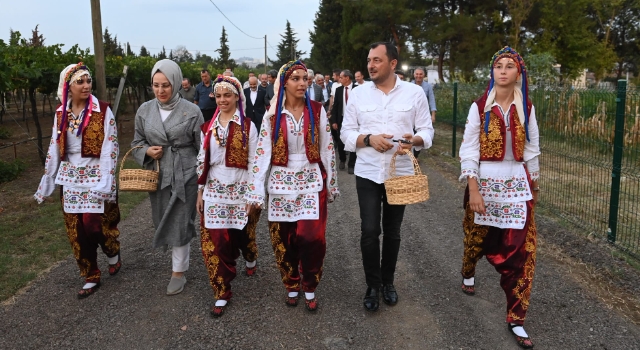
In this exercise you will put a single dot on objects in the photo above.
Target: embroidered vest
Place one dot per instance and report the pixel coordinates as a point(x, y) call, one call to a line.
point(92, 135)
point(237, 154)
point(493, 143)
point(280, 150)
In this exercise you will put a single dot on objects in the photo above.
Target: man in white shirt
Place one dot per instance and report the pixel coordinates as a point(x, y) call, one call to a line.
point(336, 84)
point(359, 78)
point(376, 114)
point(341, 99)
point(325, 92)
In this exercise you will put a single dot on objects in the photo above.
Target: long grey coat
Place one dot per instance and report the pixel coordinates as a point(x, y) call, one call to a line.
point(173, 205)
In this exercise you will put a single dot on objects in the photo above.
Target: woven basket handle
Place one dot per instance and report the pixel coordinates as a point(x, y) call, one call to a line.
point(129, 151)
point(416, 166)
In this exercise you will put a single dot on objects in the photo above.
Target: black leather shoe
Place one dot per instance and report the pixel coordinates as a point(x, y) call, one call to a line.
point(341, 166)
point(350, 170)
point(372, 299)
point(389, 294)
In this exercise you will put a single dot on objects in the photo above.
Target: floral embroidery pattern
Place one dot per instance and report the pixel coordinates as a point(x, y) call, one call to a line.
point(69, 174)
point(511, 188)
point(304, 206)
point(504, 215)
point(289, 180)
point(76, 201)
point(219, 215)
point(216, 190)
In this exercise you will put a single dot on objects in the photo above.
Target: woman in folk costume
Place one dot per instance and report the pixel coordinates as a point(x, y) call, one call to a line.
point(295, 150)
point(228, 224)
point(168, 129)
point(82, 158)
point(499, 156)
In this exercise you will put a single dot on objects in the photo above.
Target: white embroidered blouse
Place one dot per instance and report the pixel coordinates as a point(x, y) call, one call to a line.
point(293, 190)
point(223, 194)
point(502, 184)
point(87, 182)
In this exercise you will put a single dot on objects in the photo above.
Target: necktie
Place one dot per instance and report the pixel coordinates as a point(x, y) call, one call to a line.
point(346, 95)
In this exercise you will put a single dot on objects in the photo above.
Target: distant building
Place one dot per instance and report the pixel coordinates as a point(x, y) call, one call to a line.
point(249, 61)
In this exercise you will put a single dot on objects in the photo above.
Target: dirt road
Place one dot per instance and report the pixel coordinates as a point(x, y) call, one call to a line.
point(131, 310)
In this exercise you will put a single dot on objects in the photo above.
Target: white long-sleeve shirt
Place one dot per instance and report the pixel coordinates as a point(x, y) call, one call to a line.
point(370, 111)
point(87, 181)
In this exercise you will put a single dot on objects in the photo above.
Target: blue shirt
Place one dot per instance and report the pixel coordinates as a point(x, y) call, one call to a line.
point(428, 91)
point(202, 96)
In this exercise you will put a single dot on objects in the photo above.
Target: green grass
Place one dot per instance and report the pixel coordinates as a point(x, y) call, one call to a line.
point(33, 237)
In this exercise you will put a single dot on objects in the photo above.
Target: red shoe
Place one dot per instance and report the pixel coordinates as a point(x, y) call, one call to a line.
point(312, 305)
point(113, 269)
point(292, 301)
point(523, 342)
point(218, 311)
point(468, 290)
point(250, 271)
point(84, 293)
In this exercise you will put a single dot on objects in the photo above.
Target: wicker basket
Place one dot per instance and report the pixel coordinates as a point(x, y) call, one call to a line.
point(409, 189)
point(138, 180)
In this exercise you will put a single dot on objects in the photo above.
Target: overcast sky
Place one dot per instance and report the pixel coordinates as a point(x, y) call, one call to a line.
point(196, 24)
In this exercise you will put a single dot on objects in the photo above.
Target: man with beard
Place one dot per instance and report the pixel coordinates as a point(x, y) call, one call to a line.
point(376, 115)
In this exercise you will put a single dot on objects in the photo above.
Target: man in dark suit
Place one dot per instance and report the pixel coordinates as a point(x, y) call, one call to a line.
point(271, 76)
point(340, 101)
point(255, 102)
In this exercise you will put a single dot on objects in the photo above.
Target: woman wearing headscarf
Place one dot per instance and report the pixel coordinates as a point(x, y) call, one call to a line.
point(81, 159)
point(295, 155)
point(499, 156)
point(168, 129)
point(228, 225)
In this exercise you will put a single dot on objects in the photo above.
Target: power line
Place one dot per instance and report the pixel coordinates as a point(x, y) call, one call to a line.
point(225, 16)
point(158, 48)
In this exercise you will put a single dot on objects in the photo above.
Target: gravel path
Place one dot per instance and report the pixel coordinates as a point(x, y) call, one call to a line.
point(131, 310)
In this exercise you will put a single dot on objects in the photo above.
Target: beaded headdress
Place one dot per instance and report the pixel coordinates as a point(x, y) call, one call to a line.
point(67, 77)
point(283, 76)
point(232, 84)
point(522, 86)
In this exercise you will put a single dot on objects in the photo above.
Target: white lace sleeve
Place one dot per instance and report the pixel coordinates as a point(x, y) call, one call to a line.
point(532, 148)
point(51, 165)
point(328, 156)
point(470, 148)
point(260, 164)
point(106, 188)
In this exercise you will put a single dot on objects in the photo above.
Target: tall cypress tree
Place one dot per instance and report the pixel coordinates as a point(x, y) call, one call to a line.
point(224, 60)
point(144, 52)
point(287, 48)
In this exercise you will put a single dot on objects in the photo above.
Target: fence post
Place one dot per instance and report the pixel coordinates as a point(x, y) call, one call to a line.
point(618, 146)
point(455, 117)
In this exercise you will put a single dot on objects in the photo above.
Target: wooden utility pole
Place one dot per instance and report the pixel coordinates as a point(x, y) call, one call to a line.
point(98, 49)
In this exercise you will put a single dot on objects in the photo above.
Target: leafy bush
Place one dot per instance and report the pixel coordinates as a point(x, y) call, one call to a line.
point(11, 170)
point(4, 133)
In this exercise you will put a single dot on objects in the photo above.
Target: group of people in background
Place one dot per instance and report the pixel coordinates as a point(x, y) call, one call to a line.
point(231, 151)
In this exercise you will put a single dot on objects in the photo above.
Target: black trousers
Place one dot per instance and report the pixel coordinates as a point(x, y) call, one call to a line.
point(372, 198)
point(342, 155)
point(207, 113)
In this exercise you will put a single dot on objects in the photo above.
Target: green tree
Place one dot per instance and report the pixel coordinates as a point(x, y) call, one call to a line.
point(224, 59)
point(568, 34)
point(203, 60)
point(144, 52)
point(326, 50)
point(287, 48)
point(129, 51)
point(162, 54)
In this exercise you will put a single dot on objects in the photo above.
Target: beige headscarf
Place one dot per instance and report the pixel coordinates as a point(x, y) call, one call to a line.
point(174, 74)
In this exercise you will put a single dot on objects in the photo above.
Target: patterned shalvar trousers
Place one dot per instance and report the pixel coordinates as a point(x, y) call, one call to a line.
point(300, 247)
point(512, 253)
point(221, 248)
point(87, 231)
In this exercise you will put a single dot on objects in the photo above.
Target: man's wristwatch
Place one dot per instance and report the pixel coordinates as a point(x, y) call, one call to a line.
point(366, 141)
